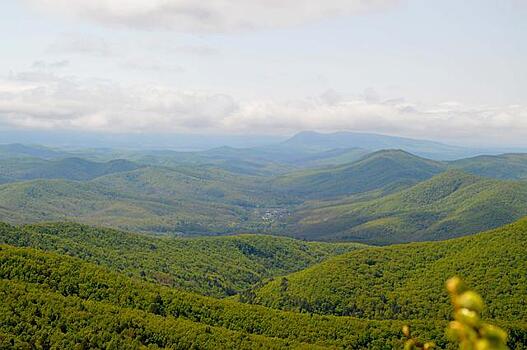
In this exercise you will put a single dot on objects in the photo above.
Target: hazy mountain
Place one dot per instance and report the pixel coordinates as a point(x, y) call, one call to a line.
point(19, 169)
point(16, 150)
point(375, 142)
point(134, 141)
point(193, 200)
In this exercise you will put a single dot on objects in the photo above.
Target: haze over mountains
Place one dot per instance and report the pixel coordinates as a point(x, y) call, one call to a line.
point(310, 186)
point(296, 229)
point(201, 142)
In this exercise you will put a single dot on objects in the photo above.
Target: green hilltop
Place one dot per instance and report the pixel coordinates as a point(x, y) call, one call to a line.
point(311, 191)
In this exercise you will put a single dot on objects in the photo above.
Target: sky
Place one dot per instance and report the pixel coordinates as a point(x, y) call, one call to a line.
point(449, 70)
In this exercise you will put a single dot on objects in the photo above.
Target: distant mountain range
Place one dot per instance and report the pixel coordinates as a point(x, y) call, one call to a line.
point(384, 197)
point(306, 142)
point(375, 142)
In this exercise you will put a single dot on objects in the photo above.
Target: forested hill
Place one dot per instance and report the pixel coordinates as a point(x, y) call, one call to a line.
point(218, 266)
point(406, 281)
point(21, 169)
point(505, 166)
point(58, 301)
point(384, 171)
point(189, 199)
point(448, 205)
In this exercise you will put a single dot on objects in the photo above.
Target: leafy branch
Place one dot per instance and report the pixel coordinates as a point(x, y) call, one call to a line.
point(467, 328)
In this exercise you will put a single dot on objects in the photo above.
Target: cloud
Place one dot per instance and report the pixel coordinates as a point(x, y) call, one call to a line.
point(198, 50)
point(44, 65)
point(209, 16)
point(80, 44)
point(150, 65)
point(29, 101)
point(54, 102)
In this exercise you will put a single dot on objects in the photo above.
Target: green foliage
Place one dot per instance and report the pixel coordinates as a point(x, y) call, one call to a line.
point(55, 299)
point(63, 301)
point(467, 328)
point(218, 266)
point(505, 166)
point(384, 170)
point(405, 281)
point(448, 205)
point(358, 196)
point(32, 317)
point(19, 169)
point(152, 199)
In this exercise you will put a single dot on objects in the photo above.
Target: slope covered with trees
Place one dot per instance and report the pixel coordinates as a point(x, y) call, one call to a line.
point(20, 169)
point(506, 166)
point(406, 281)
point(384, 171)
point(188, 199)
point(81, 299)
point(59, 300)
point(448, 205)
point(218, 266)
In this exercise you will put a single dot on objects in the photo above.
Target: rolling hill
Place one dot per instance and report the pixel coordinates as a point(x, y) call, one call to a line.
point(506, 166)
point(62, 301)
point(21, 169)
point(384, 171)
point(218, 266)
point(406, 281)
point(268, 160)
point(448, 205)
point(150, 199)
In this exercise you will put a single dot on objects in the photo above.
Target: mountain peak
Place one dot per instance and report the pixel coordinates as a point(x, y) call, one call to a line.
point(376, 142)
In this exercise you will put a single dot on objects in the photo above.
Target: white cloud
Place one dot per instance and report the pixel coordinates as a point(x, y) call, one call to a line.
point(44, 65)
point(80, 44)
point(50, 101)
point(209, 16)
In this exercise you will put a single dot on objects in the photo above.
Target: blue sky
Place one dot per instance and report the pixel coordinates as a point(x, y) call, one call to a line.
point(446, 70)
